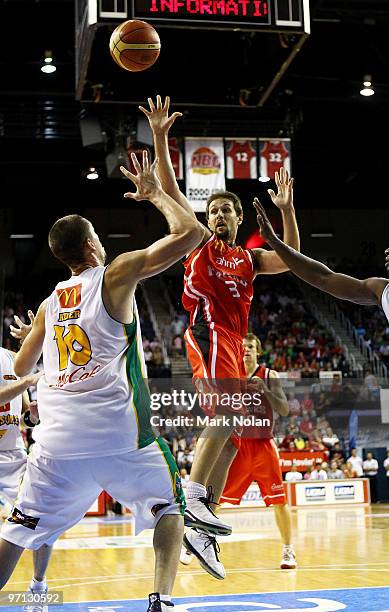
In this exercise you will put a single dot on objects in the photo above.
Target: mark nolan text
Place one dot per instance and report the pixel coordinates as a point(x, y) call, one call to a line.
point(206, 421)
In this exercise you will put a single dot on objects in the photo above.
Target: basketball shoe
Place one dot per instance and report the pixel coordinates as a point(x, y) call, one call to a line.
point(37, 588)
point(288, 558)
point(199, 515)
point(186, 556)
point(206, 549)
point(156, 605)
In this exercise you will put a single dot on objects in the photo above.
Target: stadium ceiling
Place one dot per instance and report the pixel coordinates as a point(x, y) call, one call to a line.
point(217, 79)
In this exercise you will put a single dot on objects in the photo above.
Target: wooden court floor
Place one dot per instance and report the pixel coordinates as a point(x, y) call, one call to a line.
point(340, 547)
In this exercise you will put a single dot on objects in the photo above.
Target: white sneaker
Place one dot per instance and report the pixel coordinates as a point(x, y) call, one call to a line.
point(288, 558)
point(186, 557)
point(206, 549)
point(37, 588)
point(199, 515)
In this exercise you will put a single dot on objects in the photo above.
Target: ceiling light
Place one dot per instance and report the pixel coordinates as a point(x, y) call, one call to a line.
point(21, 236)
point(367, 89)
point(48, 67)
point(119, 236)
point(264, 179)
point(322, 235)
point(92, 174)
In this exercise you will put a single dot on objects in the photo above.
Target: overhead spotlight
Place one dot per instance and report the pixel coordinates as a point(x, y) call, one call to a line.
point(48, 66)
point(367, 89)
point(92, 174)
point(264, 179)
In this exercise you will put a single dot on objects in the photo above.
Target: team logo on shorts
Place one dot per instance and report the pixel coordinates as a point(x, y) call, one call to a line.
point(70, 297)
point(23, 519)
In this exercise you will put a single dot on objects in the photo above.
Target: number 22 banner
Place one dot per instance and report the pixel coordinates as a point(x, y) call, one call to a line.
point(204, 165)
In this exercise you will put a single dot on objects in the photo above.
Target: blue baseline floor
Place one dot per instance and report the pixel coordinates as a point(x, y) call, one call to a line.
point(374, 599)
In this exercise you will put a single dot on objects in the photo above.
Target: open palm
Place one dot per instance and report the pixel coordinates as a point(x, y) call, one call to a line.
point(283, 199)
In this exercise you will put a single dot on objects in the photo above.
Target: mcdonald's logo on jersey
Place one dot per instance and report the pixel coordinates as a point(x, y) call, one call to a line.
point(70, 297)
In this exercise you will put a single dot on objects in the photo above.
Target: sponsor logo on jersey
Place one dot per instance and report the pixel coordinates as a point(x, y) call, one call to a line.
point(277, 487)
point(67, 316)
point(232, 265)
point(70, 297)
point(9, 419)
point(6, 407)
point(23, 519)
point(10, 377)
point(315, 493)
point(76, 376)
point(3, 432)
point(205, 161)
point(344, 491)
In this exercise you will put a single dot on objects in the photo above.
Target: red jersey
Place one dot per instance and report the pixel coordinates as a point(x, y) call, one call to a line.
point(241, 158)
point(274, 154)
point(264, 411)
point(176, 157)
point(218, 285)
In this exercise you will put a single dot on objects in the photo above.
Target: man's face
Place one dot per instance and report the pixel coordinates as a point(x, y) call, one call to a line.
point(223, 220)
point(250, 351)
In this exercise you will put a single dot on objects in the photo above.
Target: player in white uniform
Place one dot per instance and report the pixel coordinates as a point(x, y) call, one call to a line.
point(13, 456)
point(94, 432)
point(368, 292)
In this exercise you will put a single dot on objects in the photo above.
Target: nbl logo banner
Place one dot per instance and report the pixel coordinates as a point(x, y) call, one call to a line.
point(205, 173)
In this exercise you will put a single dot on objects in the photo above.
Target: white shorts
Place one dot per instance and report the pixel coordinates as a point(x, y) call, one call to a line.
point(56, 493)
point(12, 467)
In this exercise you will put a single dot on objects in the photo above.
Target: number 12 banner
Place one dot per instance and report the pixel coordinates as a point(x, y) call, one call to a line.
point(241, 157)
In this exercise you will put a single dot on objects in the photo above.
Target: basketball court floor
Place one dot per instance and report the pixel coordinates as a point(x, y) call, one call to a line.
point(343, 556)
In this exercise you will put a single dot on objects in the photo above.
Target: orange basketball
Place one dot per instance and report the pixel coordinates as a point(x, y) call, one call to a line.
point(135, 45)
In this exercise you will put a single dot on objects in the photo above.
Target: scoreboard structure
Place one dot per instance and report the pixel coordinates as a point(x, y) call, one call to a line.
point(286, 16)
point(261, 15)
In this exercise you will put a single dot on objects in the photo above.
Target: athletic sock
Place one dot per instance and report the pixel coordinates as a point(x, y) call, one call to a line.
point(194, 490)
point(166, 598)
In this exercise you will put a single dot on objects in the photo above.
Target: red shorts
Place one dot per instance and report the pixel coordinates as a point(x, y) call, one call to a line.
point(256, 460)
point(216, 356)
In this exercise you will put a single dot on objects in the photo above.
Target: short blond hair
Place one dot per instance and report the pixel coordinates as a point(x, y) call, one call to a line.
point(257, 341)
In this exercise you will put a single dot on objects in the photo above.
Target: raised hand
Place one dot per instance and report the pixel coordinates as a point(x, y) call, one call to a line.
point(145, 180)
point(21, 332)
point(265, 227)
point(387, 259)
point(158, 115)
point(284, 197)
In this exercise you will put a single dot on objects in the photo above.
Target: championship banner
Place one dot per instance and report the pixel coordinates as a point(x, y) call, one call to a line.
point(176, 157)
point(273, 155)
point(204, 165)
point(241, 157)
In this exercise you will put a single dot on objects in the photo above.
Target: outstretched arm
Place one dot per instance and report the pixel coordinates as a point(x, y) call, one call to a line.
point(366, 292)
point(31, 349)
point(129, 268)
point(269, 262)
point(160, 124)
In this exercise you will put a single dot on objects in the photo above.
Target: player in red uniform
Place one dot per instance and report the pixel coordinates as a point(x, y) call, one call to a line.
point(218, 291)
point(254, 457)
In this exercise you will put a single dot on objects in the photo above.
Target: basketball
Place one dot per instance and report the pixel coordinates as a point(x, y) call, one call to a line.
point(135, 45)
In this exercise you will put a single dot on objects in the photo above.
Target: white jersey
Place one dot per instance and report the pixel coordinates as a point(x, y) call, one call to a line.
point(385, 301)
point(93, 399)
point(10, 413)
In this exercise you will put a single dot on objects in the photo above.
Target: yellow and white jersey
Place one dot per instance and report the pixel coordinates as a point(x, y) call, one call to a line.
point(93, 399)
point(10, 413)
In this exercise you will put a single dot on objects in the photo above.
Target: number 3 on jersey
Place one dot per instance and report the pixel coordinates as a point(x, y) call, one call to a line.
point(73, 344)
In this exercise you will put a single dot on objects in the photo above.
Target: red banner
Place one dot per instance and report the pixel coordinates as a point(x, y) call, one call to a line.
point(301, 459)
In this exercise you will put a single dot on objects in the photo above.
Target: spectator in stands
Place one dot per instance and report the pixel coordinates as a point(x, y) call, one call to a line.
point(334, 472)
point(330, 438)
point(307, 475)
point(371, 385)
point(356, 462)
point(307, 403)
point(306, 426)
point(322, 403)
point(293, 475)
point(337, 453)
point(349, 471)
point(316, 441)
point(319, 473)
point(370, 470)
point(177, 326)
point(299, 443)
point(294, 405)
point(177, 345)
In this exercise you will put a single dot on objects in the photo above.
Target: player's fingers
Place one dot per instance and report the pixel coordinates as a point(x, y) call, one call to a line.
point(15, 333)
point(129, 194)
point(31, 316)
point(145, 111)
point(291, 183)
point(145, 161)
point(137, 166)
point(154, 164)
point(128, 174)
point(271, 193)
point(159, 103)
point(151, 104)
point(18, 321)
point(172, 119)
point(167, 104)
